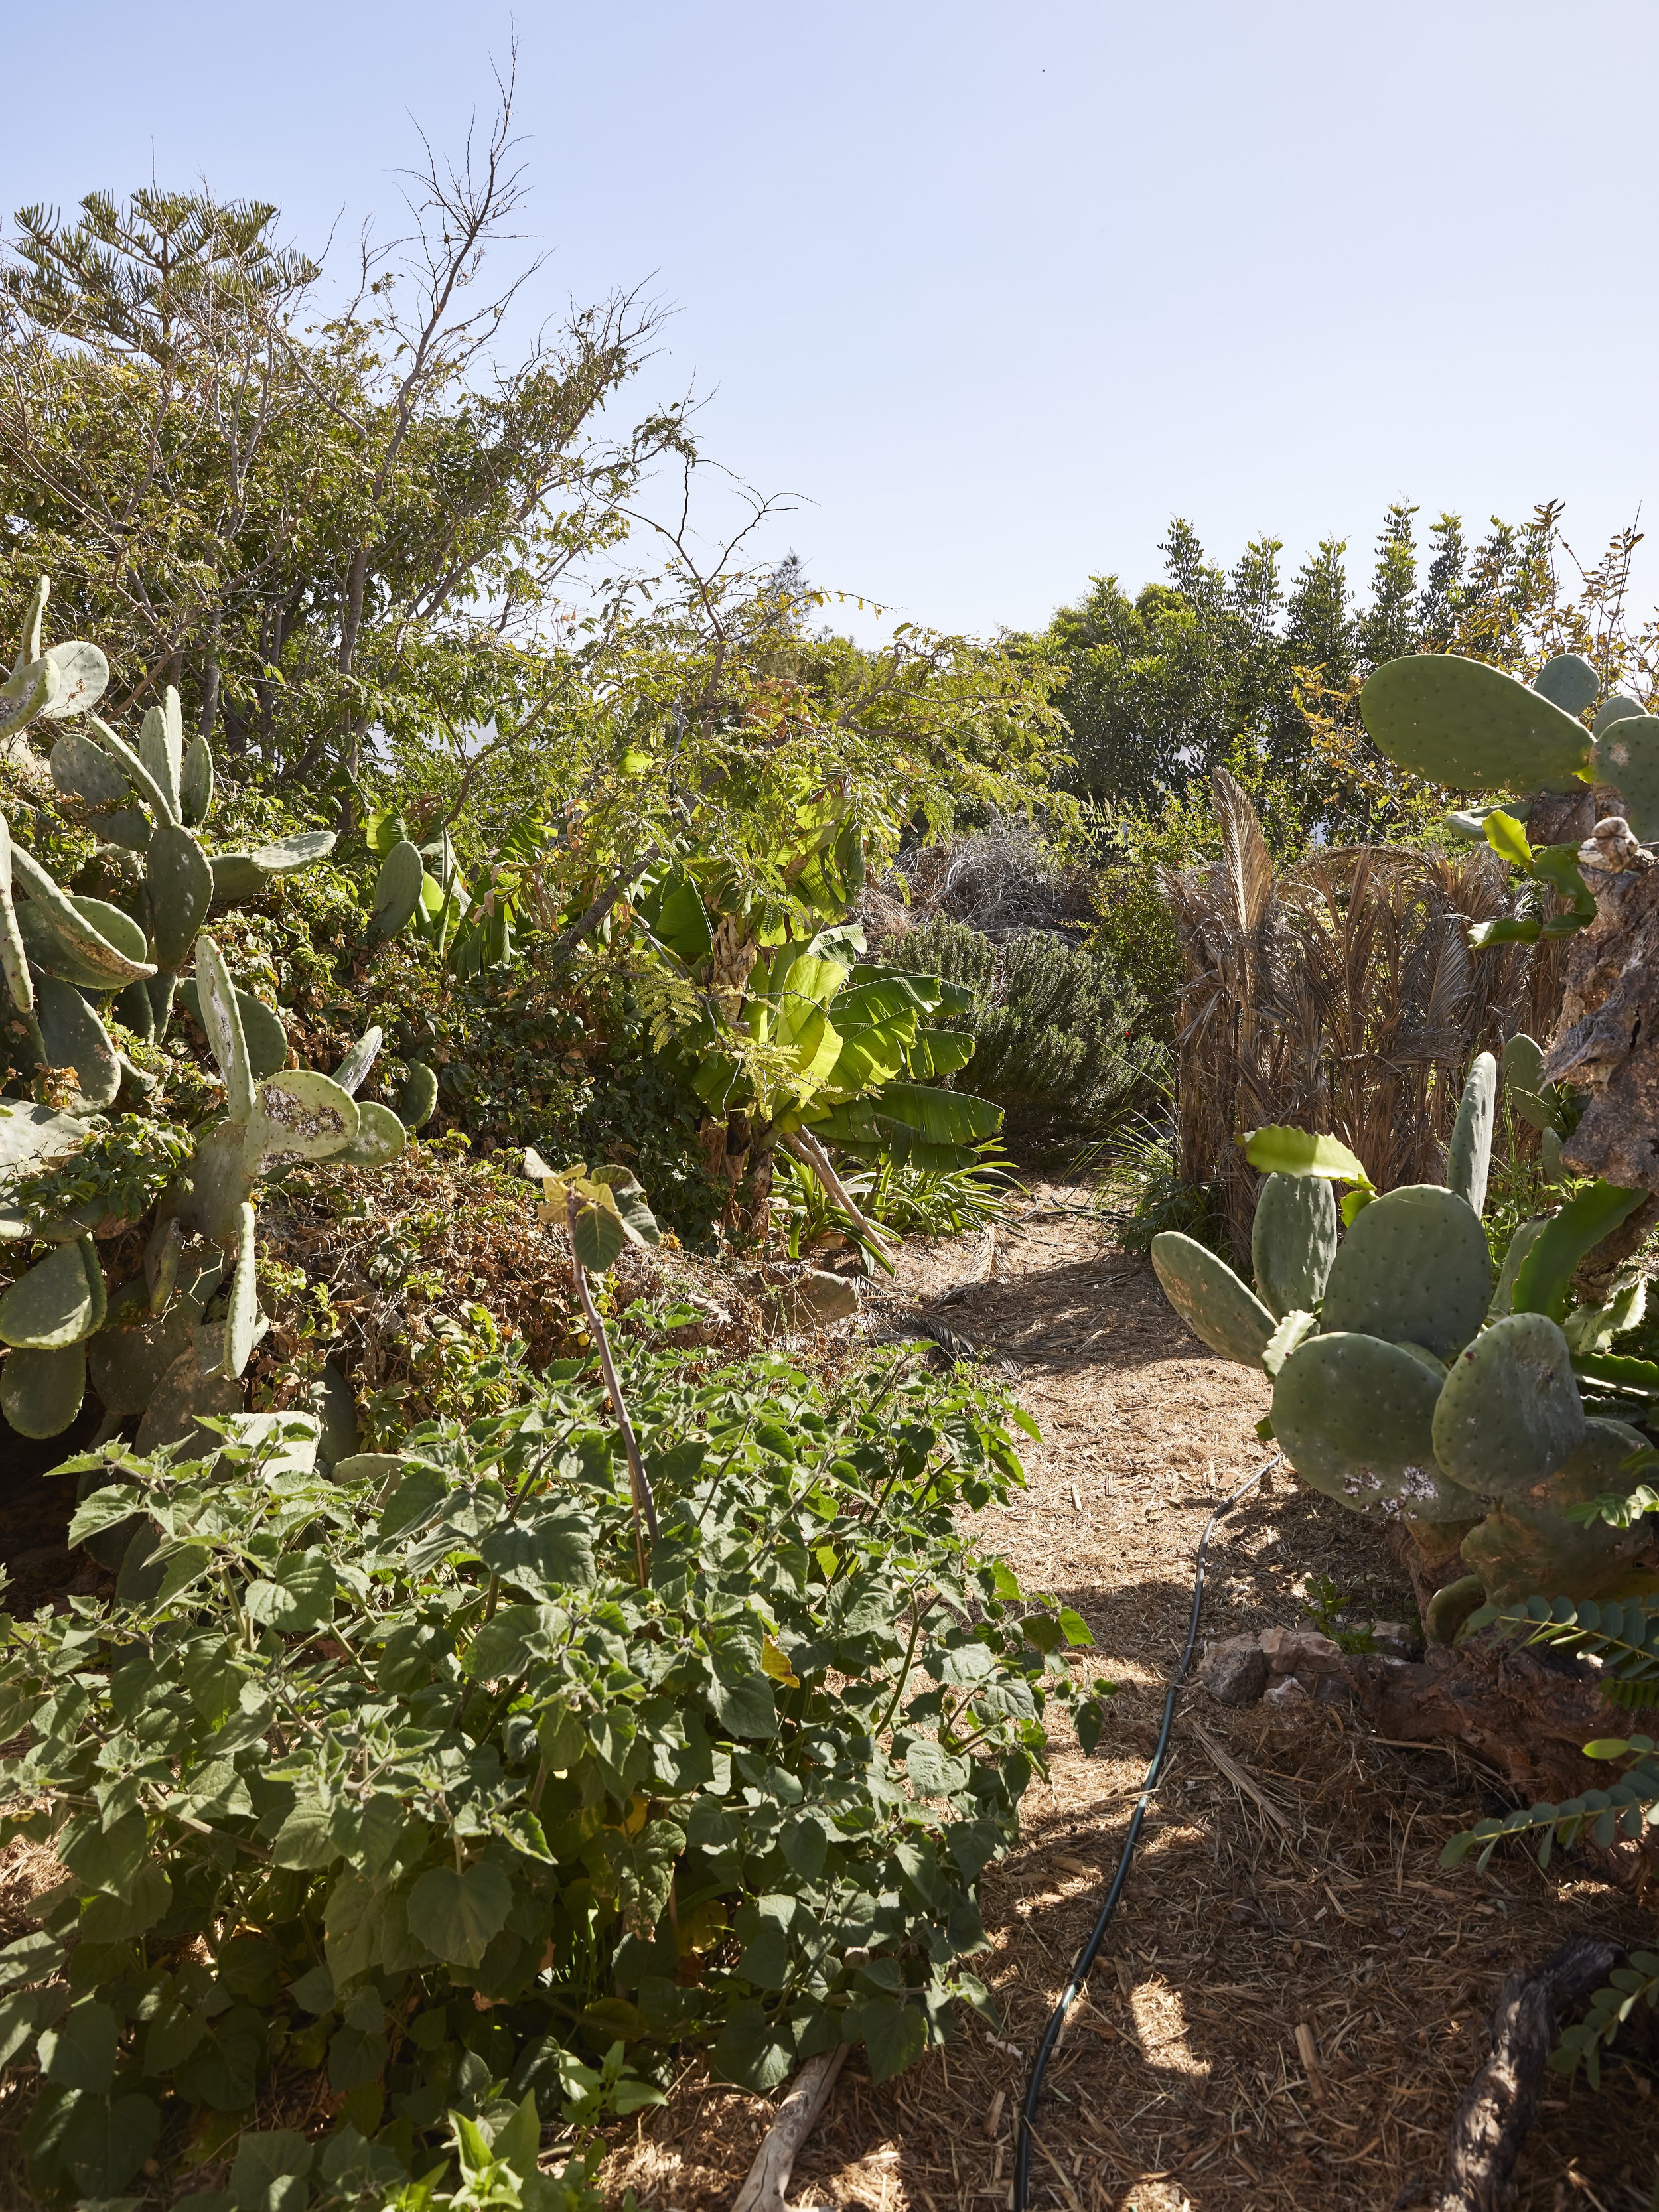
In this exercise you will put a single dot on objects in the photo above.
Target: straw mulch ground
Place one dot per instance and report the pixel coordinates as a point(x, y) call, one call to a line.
point(1294, 1995)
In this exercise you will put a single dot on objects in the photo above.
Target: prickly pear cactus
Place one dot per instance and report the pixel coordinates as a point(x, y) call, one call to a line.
point(1406, 1386)
point(171, 1344)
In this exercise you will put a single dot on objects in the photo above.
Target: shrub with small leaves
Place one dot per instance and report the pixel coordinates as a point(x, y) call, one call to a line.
point(403, 1776)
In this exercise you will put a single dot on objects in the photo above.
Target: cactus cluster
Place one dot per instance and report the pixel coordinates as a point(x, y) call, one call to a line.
point(171, 1343)
point(1473, 728)
point(1411, 1378)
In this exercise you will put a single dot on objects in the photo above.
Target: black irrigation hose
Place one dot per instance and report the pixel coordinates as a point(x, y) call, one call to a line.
point(1090, 1951)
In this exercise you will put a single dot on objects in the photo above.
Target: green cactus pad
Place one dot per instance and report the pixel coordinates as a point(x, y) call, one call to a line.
point(1621, 707)
point(218, 1183)
point(298, 1115)
point(242, 1315)
point(75, 1037)
point(1293, 1241)
point(59, 1302)
point(127, 1358)
point(1522, 1061)
point(183, 1396)
point(83, 940)
point(1414, 1265)
point(150, 793)
point(1468, 1156)
point(82, 676)
point(245, 875)
point(353, 1070)
point(196, 782)
point(180, 887)
point(1460, 723)
point(14, 958)
point(1509, 1413)
point(1568, 682)
point(40, 1392)
point(31, 1135)
point(417, 1097)
point(134, 1007)
point(1527, 1546)
point(1356, 1418)
point(397, 888)
point(380, 1137)
point(1211, 1299)
point(263, 1031)
point(84, 770)
point(221, 1018)
point(1627, 755)
point(162, 747)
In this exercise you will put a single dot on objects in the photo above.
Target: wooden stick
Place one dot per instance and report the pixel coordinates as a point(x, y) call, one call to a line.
point(1502, 2100)
point(807, 1149)
point(775, 2161)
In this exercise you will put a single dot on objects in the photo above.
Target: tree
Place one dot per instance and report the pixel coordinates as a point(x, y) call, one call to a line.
point(314, 531)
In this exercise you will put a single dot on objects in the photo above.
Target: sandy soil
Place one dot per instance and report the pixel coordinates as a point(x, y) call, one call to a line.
point(1293, 1996)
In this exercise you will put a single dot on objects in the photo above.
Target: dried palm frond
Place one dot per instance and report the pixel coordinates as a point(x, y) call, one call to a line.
point(1341, 995)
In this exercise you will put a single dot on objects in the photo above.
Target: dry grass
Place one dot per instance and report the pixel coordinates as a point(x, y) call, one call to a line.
point(1342, 996)
point(1293, 1997)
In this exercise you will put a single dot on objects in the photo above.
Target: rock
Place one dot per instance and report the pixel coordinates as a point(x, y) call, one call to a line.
point(1393, 1639)
point(813, 1299)
point(1235, 1670)
point(1301, 1651)
point(1289, 1691)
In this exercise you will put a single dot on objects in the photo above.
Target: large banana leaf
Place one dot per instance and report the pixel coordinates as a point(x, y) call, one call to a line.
point(870, 1055)
point(938, 1052)
point(679, 918)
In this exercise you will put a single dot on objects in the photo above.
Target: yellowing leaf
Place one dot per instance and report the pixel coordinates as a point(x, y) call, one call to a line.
point(775, 1663)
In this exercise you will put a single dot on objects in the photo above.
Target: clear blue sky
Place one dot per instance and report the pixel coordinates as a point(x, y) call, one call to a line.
point(999, 288)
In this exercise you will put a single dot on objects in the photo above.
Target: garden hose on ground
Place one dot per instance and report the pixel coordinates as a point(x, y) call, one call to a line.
point(1090, 1951)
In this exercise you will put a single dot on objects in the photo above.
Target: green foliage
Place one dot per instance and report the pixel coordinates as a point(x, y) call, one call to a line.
point(122, 1171)
point(1061, 1040)
point(1407, 1382)
point(402, 1773)
point(1610, 2007)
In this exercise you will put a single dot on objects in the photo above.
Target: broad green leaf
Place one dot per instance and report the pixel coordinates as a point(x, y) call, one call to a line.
point(457, 1914)
point(268, 2172)
point(80, 2052)
point(299, 1596)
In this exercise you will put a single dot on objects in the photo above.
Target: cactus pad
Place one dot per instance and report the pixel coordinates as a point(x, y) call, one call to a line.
point(1414, 1266)
point(1621, 707)
point(397, 888)
point(1569, 682)
point(180, 892)
point(1469, 1157)
point(59, 1302)
point(1293, 1241)
point(353, 1070)
point(1627, 756)
point(298, 1115)
point(84, 770)
point(417, 1097)
point(1209, 1298)
point(1527, 1546)
point(221, 1019)
point(1503, 1299)
point(196, 782)
point(75, 1037)
point(245, 875)
point(1460, 723)
point(182, 1396)
point(130, 1353)
point(1509, 1413)
point(83, 939)
point(380, 1137)
point(40, 1392)
point(1356, 1418)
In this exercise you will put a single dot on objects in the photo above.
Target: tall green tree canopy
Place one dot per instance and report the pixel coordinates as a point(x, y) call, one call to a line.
point(1165, 685)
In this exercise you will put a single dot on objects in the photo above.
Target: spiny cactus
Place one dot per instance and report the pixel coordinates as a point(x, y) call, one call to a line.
point(169, 1346)
point(1405, 1384)
point(1473, 728)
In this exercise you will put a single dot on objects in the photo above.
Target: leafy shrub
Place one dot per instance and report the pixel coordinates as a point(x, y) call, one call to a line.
point(1055, 1031)
point(401, 1776)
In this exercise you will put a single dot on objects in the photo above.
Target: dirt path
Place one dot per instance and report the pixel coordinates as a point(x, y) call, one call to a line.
point(1293, 1997)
